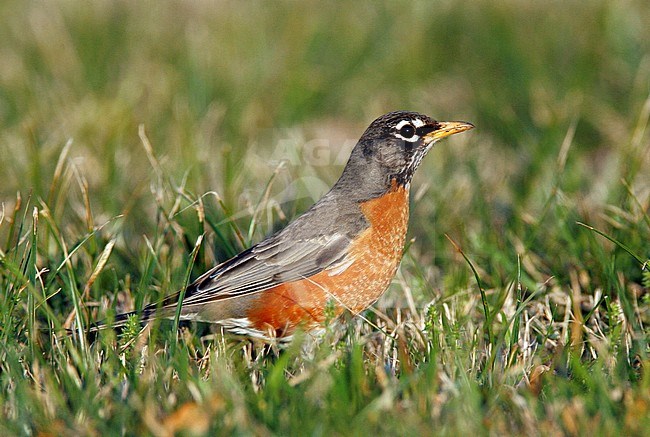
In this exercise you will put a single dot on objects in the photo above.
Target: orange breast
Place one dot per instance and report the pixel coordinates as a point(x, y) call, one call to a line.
point(373, 260)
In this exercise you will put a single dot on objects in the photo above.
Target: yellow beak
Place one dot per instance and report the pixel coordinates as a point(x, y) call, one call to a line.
point(446, 128)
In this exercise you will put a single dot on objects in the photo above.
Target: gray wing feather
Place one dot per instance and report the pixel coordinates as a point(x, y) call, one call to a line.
point(266, 266)
point(283, 257)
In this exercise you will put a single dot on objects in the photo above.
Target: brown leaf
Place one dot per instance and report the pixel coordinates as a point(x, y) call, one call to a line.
point(192, 417)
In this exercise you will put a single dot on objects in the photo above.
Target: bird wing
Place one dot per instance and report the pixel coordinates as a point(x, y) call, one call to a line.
point(268, 264)
point(272, 262)
point(316, 241)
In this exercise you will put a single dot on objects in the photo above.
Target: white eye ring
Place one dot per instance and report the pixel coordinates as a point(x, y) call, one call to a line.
point(413, 138)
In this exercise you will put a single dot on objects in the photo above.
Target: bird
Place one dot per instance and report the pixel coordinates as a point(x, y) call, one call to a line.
point(340, 255)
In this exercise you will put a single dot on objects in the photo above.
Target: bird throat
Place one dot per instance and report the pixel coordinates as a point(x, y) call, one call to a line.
point(405, 176)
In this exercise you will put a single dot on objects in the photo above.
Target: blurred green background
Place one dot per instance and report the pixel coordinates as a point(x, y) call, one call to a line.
point(225, 90)
point(251, 108)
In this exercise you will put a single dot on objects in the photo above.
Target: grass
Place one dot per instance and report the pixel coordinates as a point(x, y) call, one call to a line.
point(141, 143)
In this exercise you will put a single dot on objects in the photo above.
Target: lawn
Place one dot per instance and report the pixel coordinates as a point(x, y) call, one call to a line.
point(143, 142)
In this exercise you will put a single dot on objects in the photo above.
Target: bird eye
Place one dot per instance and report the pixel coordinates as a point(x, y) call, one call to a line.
point(407, 131)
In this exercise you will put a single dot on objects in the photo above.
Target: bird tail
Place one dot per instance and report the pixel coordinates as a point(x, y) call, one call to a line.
point(119, 321)
point(149, 312)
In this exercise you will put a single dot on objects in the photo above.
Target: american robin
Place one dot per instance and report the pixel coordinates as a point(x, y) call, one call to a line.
point(342, 253)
